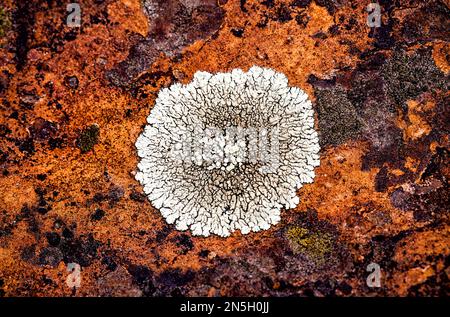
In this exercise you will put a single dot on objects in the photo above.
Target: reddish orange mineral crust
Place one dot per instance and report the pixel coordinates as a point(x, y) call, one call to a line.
point(68, 193)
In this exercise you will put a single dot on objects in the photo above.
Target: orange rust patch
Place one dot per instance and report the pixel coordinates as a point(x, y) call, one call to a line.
point(417, 125)
point(294, 51)
point(342, 191)
point(129, 14)
point(441, 53)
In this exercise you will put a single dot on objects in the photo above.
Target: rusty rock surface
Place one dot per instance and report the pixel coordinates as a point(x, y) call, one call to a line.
point(74, 100)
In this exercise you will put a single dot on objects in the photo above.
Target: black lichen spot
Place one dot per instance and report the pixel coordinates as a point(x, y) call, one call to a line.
point(50, 256)
point(143, 277)
point(204, 253)
point(55, 143)
point(184, 242)
point(319, 35)
point(26, 146)
point(67, 234)
point(162, 234)
point(4, 84)
point(345, 288)
point(268, 3)
point(350, 24)
point(4, 130)
point(238, 32)
point(7, 224)
point(283, 14)
point(42, 129)
point(88, 138)
point(43, 207)
point(28, 253)
point(14, 115)
point(48, 281)
point(442, 113)
point(109, 262)
point(325, 287)
point(381, 180)
point(98, 197)
point(300, 3)
point(71, 82)
point(82, 250)
point(53, 238)
point(24, 21)
point(40, 191)
point(383, 250)
point(437, 165)
point(28, 214)
point(334, 29)
point(330, 5)
point(171, 278)
point(242, 5)
point(137, 196)
point(114, 195)
point(98, 214)
point(3, 157)
point(58, 224)
point(41, 177)
point(262, 23)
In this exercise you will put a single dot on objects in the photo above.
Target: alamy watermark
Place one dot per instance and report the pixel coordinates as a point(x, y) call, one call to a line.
point(74, 15)
point(374, 278)
point(228, 148)
point(374, 16)
point(73, 280)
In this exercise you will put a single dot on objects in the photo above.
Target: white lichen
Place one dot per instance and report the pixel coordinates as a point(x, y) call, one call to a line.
point(228, 151)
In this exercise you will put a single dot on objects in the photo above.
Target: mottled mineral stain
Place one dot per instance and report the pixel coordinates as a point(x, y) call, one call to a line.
point(441, 52)
point(416, 125)
point(173, 25)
